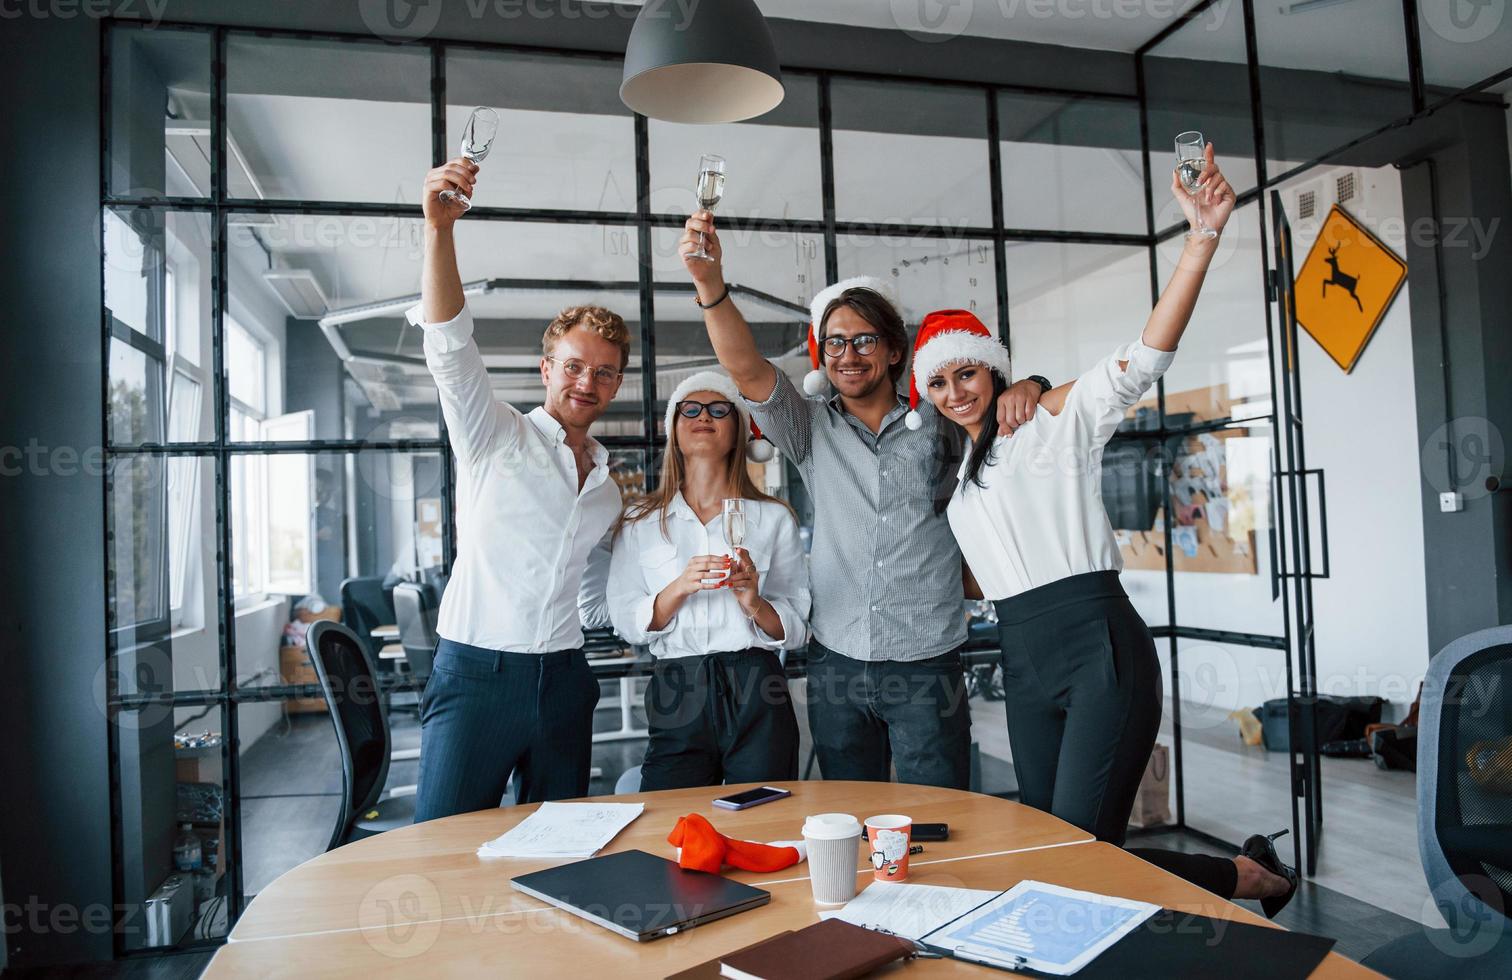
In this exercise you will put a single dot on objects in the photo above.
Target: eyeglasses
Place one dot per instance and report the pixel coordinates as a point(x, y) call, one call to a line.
point(575, 369)
point(692, 410)
point(864, 343)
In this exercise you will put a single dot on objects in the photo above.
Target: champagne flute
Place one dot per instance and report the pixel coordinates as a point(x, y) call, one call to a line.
point(734, 523)
point(1191, 160)
point(711, 181)
point(477, 139)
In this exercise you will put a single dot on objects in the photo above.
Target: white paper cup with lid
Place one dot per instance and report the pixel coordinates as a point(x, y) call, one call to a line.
point(834, 841)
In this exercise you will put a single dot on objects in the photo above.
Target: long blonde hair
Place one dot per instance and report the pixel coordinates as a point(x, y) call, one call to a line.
point(737, 480)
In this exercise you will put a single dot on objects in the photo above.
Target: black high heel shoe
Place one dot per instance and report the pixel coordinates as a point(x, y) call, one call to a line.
point(1261, 849)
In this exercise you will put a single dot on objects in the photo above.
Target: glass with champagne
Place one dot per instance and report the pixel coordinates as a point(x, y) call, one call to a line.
point(1191, 160)
point(710, 188)
point(734, 524)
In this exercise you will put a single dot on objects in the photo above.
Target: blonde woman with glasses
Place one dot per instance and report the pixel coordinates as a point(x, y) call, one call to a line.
point(717, 613)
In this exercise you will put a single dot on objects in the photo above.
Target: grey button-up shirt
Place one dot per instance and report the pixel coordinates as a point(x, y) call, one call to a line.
point(884, 570)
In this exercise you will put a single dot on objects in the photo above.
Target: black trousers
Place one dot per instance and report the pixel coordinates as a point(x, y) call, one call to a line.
point(1082, 688)
point(486, 714)
point(868, 715)
point(719, 718)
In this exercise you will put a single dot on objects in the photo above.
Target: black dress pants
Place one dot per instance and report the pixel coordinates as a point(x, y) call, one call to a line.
point(719, 718)
point(486, 714)
point(1082, 688)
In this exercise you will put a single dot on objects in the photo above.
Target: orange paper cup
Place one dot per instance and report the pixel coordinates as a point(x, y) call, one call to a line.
point(888, 836)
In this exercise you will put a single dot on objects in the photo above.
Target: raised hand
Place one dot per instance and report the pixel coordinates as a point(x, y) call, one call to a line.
point(707, 274)
point(1214, 195)
point(460, 175)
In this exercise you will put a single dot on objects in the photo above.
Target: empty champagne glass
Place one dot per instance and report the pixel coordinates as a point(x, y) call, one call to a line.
point(711, 181)
point(477, 139)
point(1191, 160)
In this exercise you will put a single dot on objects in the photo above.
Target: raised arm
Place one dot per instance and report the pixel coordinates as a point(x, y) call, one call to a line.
point(440, 284)
point(1168, 321)
point(476, 423)
point(734, 344)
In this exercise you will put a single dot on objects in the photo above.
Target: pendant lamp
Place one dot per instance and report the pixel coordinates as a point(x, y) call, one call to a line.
point(707, 62)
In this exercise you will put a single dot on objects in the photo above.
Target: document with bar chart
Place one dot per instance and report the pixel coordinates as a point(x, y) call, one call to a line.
point(1043, 927)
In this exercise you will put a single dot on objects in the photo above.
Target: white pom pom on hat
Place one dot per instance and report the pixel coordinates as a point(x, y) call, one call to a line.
point(949, 337)
point(758, 449)
point(815, 382)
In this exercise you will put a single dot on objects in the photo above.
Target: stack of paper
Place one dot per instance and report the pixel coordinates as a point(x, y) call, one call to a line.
point(563, 830)
point(911, 911)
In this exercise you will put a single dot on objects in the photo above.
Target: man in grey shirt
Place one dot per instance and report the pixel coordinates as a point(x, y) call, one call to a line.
point(886, 684)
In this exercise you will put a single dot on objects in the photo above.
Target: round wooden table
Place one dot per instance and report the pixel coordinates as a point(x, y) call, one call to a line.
point(418, 901)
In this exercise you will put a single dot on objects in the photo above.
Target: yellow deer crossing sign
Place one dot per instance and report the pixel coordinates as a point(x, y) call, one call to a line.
point(1346, 286)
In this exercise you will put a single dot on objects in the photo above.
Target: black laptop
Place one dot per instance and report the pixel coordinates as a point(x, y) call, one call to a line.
point(640, 895)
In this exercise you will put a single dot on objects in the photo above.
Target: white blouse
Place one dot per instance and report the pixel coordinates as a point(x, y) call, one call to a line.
point(1039, 516)
point(644, 562)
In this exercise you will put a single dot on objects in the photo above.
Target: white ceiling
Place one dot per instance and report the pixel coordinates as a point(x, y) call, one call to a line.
point(1111, 25)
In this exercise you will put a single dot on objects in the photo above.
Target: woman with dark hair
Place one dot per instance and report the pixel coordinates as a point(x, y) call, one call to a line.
point(715, 613)
point(1081, 682)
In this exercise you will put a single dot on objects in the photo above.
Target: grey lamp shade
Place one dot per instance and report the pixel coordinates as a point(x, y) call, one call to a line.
point(706, 62)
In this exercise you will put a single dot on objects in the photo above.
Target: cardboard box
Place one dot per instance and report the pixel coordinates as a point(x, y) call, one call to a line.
point(295, 667)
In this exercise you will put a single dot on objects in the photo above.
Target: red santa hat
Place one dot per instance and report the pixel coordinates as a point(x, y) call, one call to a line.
point(758, 449)
point(815, 381)
point(948, 337)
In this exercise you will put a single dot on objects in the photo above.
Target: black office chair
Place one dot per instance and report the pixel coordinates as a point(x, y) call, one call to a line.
point(365, 606)
point(346, 677)
point(1464, 801)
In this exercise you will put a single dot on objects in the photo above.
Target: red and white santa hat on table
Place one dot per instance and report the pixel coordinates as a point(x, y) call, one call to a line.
point(946, 338)
point(815, 382)
point(758, 449)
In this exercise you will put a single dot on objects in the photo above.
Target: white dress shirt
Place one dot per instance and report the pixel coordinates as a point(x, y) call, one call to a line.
point(1039, 516)
point(711, 621)
point(524, 530)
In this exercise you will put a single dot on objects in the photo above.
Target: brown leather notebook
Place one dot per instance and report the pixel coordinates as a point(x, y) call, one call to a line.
point(829, 950)
point(709, 969)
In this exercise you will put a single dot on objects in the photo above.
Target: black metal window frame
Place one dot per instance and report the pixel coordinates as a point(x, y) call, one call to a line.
point(221, 451)
point(1280, 520)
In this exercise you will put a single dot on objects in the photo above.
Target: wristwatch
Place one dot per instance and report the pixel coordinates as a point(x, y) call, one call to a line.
point(1043, 382)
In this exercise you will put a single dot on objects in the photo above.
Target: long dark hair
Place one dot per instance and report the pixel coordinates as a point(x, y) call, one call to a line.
point(952, 446)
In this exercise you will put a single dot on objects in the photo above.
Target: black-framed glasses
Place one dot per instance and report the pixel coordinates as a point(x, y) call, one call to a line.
point(864, 343)
point(575, 369)
point(690, 409)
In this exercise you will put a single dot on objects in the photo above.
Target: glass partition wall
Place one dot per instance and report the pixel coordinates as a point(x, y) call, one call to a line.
point(274, 441)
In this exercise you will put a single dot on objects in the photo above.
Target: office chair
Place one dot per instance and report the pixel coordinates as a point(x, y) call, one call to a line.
point(346, 677)
point(415, 614)
point(1464, 801)
point(364, 606)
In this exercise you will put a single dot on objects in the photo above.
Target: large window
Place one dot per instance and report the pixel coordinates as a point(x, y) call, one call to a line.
point(274, 444)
